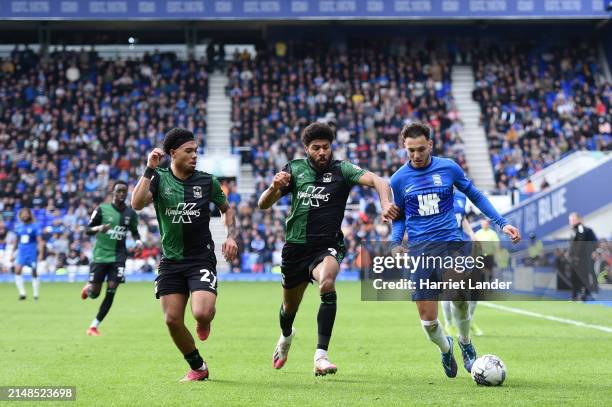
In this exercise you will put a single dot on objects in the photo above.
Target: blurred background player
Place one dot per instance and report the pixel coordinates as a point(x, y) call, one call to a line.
point(181, 196)
point(29, 247)
point(459, 208)
point(314, 245)
point(423, 191)
point(110, 223)
point(488, 244)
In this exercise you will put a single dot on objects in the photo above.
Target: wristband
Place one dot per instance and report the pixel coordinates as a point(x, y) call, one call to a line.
point(149, 172)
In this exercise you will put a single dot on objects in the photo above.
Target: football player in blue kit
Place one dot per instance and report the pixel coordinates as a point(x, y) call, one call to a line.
point(423, 190)
point(28, 251)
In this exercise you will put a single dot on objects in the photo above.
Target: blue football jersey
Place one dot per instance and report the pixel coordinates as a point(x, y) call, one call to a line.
point(27, 235)
point(426, 200)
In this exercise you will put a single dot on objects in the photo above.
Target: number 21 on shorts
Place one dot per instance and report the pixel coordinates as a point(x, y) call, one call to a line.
point(206, 277)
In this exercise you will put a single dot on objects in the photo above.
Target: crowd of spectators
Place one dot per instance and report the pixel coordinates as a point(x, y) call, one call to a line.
point(71, 123)
point(540, 103)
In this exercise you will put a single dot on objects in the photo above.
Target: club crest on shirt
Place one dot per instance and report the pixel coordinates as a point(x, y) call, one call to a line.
point(437, 180)
point(126, 220)
point(327, 177)
point(168, 191)
point(197, 191)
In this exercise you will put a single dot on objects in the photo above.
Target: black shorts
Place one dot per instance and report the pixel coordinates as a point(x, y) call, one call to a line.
point(98, 272)
point(187, 277)
point(298, 260)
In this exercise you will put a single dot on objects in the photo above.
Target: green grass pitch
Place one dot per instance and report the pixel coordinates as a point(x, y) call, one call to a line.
point(382, 354)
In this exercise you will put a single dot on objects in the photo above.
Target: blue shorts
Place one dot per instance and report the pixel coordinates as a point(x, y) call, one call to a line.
point(26, 259)
point(435, 271)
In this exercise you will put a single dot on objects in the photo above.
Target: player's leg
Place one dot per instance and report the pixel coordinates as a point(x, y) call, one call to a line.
point(35, 279)
point(428, 312)
point(173, 306)
point(448, 317)
point(292, 297)
point(105, 306)
point(325, 274)
point(19, 281)
point(474, 329)
point(203, 310)
point(462, 316)
point(97, 275)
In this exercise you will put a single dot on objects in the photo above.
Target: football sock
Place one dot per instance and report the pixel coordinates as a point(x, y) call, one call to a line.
point(320, 353)
point(94, 323)
point(435, 333)
point(19, 284)
point(472, 308)
point(462, 319)
point(446, 311)
point(106, 304)
point(286, 321)
point(195, 360)
point(35, 286)
point(326, 318)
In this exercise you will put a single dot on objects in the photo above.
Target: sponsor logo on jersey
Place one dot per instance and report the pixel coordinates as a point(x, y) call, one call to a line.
point(197, 192)
point(437, 180)
point(117, 233)
point(313, 196)
point(168, 191)
point(183, 212)
point(327, 177)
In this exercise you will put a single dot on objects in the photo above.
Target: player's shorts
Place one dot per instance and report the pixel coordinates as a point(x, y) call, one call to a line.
point(299, 260)
point(99, 272)
point(187, 277)
point(433, 272)
point(26, 259)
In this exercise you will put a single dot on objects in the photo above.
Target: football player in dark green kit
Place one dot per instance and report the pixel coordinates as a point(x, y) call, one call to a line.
point(181, 196)
point(314, 247)
point(110, 223)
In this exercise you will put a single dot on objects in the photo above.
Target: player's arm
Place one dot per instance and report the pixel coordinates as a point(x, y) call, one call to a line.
point(95, 223)
point(281, 185)
point(134, 231)
point(390, 211)
point(398, 229)
point(465, 185)
point(467, 228)
point(229, 247)
point(142, 195)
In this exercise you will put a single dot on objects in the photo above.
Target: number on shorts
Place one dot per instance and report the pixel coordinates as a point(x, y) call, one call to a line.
point(120, 271)
point(206, 274)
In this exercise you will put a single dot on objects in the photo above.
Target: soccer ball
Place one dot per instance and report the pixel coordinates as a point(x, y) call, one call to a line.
point(489, 370)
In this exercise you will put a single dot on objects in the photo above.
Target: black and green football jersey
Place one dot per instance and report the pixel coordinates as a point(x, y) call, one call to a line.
point(183, 213)
point(110, 246)
point(318, 199)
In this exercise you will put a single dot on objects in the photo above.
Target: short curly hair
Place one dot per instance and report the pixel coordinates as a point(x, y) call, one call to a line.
point(176, 138)
point(416, 130)
point(317, 131)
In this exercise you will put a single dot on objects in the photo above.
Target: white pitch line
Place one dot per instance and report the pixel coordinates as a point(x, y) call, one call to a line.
point(548, 317)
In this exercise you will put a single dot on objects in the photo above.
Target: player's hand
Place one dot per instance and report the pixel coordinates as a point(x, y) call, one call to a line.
point(280, 180)
point(398, 250)
point(390, 212)
point(513, 233)
point(229, 249)
point(104, 228)
point(154, 158)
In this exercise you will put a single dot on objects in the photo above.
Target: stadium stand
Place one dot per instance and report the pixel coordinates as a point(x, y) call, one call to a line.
point(539, 103)
point(71, 123)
